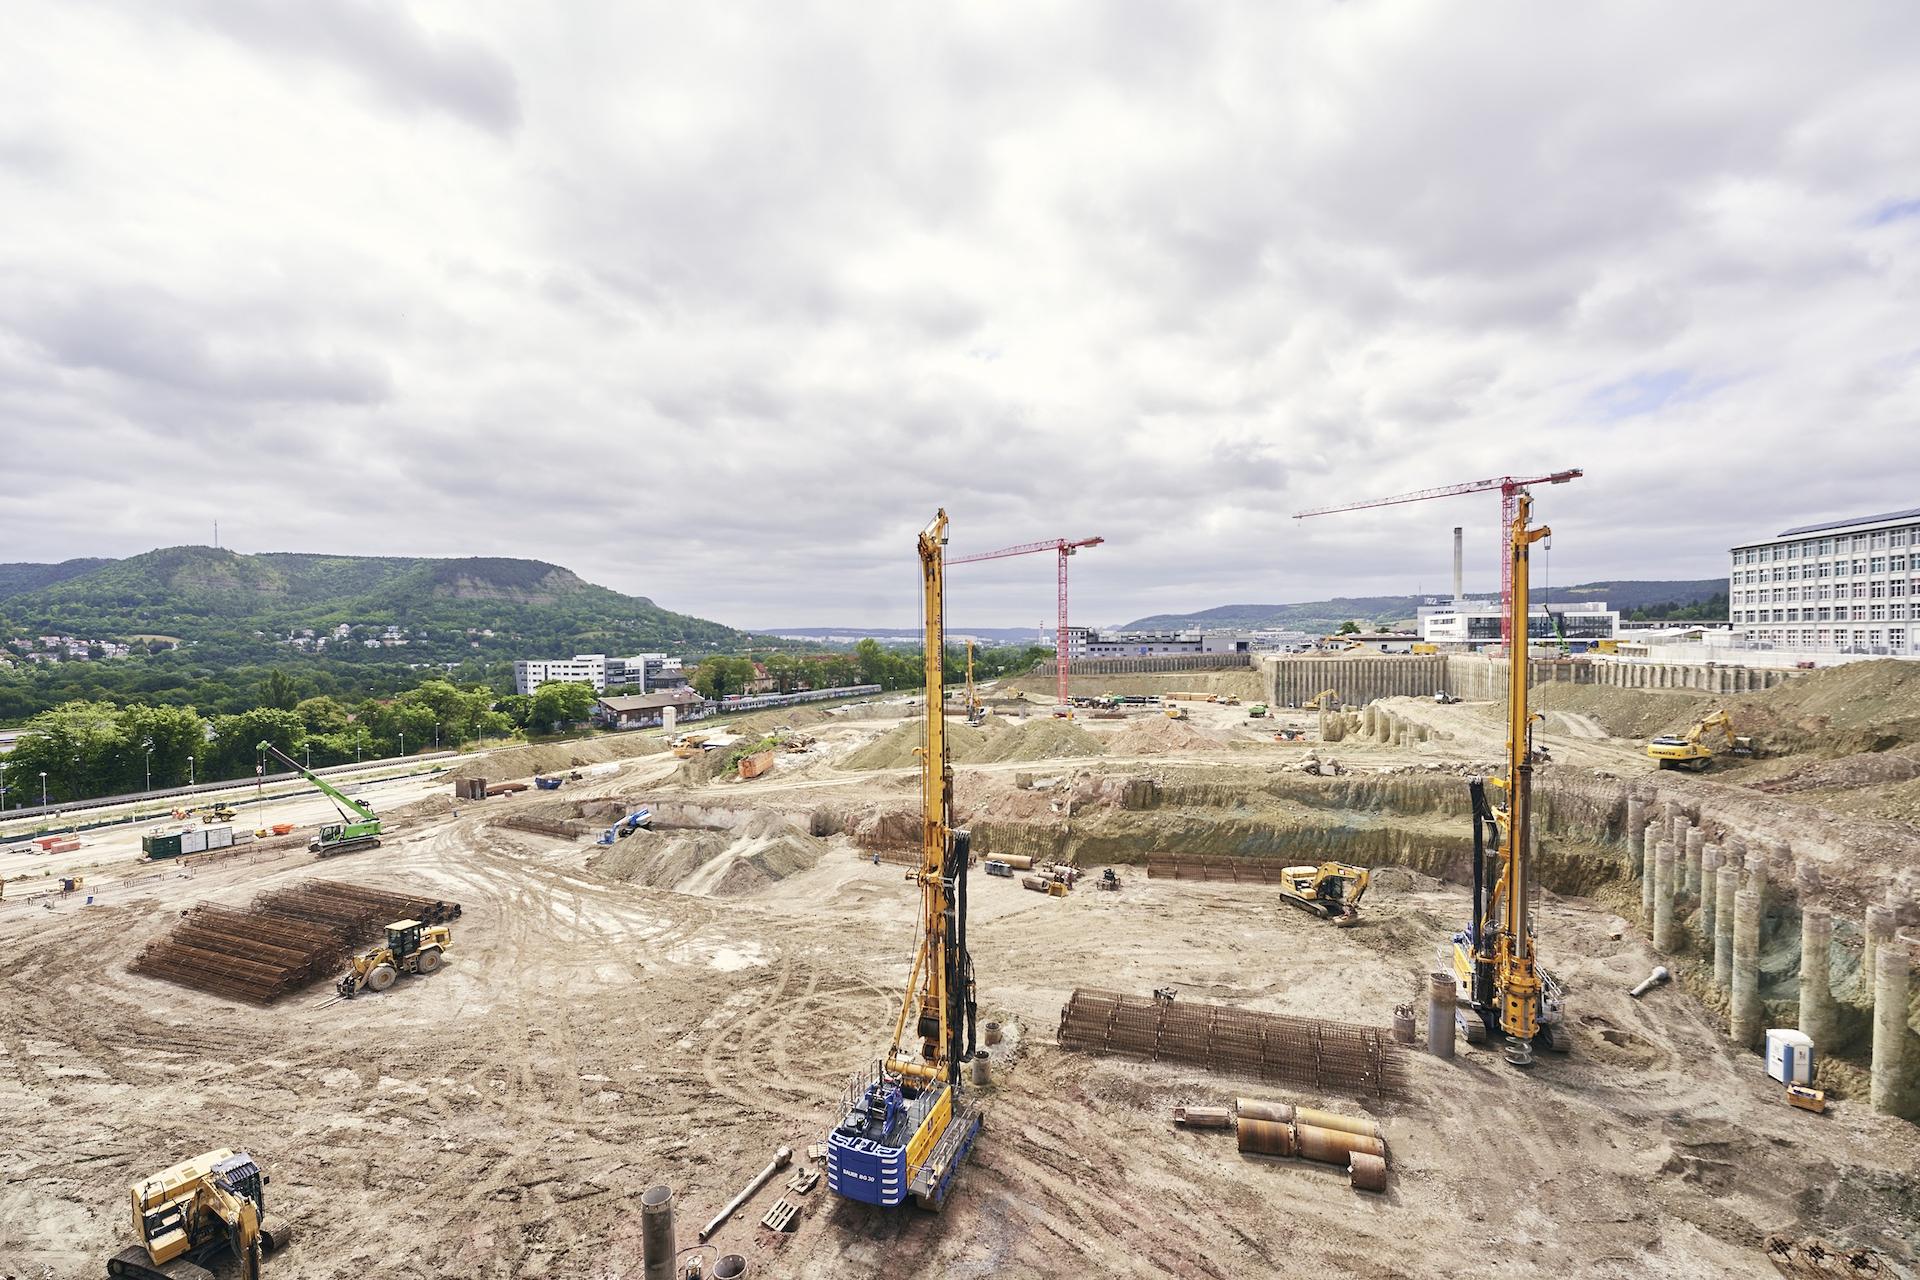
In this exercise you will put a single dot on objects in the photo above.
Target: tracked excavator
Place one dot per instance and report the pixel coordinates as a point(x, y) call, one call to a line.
point(1694, 749)
point(358, 828)
point(907, 1123)
point(1500, 987)
point(1331, 890)
point(189, 1215)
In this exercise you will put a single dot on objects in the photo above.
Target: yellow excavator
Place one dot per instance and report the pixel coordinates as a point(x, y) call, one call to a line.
point(411, 947)
point(1318, 702)
point(907, 1123)
point(187, 1215)
point(1500, 987)
point(1331, 890)
point(1693, 749)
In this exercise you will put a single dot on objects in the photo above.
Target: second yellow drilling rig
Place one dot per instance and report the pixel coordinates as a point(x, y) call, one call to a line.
point(1500, 986)
point(907, 1123)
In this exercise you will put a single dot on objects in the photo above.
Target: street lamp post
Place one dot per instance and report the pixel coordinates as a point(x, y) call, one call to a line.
point(148, 784)
point(189, 770)
point(403, 743)
point(43, 788)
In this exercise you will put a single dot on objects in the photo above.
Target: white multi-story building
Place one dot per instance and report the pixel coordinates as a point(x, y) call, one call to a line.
point(644, 671)
point(1475, 624)
point(582, 668)
point(1085, 642)
point(1847, 586)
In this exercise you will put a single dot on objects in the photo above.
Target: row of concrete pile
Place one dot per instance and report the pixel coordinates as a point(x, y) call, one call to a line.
point(1712, 897)
point(1281, 1129)
point(1375, 723)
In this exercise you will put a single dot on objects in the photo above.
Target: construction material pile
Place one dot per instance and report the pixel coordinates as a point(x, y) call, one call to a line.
point(1261, 1128)
point(284, 941)
point(1168, 866)
point(1333, 1057)
point(1158, 736)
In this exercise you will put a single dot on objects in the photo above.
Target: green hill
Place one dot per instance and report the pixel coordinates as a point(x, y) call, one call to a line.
point(18, 579)
point(236, 606)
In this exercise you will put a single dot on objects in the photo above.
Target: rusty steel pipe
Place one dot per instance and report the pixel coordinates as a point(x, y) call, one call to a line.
point(1334, 1146)
point(1265, 1137)
point(1256, 1109)
point(1367, 1173)
point(1338, 1123)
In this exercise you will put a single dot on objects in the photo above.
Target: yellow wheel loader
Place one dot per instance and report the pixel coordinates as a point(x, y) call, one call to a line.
point(411, 947)
point(187, 1215)
point(1331, 890)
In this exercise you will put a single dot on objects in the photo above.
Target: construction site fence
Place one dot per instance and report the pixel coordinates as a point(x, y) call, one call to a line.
point(1307, 1053)
point(229, 784)
point(1166, 866)
point(1149, 665)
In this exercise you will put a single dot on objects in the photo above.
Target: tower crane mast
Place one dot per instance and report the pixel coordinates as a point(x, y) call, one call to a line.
point(1063, 547)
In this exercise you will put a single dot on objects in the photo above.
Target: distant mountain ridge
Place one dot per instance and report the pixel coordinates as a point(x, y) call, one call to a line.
point(1323, 615)
point(214, 596)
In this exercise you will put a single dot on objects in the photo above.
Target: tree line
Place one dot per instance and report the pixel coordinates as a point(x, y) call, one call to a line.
point(869, 662)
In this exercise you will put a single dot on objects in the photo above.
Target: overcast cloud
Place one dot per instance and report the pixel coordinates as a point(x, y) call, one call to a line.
point(716, 303)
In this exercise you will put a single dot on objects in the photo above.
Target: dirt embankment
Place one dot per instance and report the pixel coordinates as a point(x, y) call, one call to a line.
point(1244, 684)
point(721, 864)
point(1861, 708)
point(996, 740)
point(522, 762)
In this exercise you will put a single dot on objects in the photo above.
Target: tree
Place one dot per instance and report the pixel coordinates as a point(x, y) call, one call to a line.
point(236, 740)
point(278, 691)
point(1348, 629)
point(560, 702)
point(517, 708)
point(323, 715)
point(719, 676)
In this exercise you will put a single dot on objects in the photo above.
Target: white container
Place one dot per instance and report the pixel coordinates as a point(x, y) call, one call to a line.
point(219, 837)
point(193, 841)
point(1789, 1055)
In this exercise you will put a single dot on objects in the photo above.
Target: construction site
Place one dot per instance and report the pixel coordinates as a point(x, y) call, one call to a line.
point(1347, 963)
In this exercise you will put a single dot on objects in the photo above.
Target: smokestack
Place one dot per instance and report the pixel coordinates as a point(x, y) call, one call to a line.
point(1459, 596)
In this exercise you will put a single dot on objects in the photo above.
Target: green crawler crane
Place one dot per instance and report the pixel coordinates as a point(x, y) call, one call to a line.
point(358, 827)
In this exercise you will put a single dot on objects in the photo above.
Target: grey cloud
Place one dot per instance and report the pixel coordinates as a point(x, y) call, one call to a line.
point(148, 336)
point(746, 300)
point(384, 45)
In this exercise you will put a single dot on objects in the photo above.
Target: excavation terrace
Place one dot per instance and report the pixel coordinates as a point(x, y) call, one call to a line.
point(667, 1003)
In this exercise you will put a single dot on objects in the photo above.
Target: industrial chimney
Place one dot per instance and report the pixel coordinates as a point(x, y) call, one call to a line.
point(1459, 596)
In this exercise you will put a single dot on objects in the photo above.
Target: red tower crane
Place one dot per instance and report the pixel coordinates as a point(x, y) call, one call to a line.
point(1509, 487)
point(1064, 547)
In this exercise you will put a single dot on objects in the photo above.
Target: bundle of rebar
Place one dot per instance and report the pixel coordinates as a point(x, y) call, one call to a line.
point(1328, 1056)
point(1169, 866)
point(286, 940)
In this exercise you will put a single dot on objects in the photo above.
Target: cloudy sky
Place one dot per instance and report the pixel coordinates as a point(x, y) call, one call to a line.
point(716, 303)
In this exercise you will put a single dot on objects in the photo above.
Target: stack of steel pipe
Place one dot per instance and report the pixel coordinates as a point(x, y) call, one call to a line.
point(1277, 1129)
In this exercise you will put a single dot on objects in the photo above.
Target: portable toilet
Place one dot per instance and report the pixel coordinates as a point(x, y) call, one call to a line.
point(1789, 1055)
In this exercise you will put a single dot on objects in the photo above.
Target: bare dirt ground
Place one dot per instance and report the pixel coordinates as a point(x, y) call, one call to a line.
point(593, 1036)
